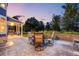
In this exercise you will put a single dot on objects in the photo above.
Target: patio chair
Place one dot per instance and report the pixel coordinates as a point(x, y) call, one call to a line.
point(76, 43)
point(30, 34)
point(53, 36)
point(39, 40)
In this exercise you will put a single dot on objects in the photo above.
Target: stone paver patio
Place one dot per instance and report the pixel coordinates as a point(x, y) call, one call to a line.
point(22, 47)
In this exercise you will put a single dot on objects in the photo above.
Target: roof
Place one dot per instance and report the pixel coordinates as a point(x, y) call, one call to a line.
point(12, 19)
point(16, 17)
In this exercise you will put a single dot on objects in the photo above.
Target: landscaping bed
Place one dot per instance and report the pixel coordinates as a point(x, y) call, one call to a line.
point(68, 36)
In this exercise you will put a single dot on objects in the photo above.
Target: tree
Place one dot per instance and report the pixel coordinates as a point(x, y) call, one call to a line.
point(41, 25)
point(76, 23)
point(31, 24)
point(70, 14)
point(47, 26)
point(56, 22)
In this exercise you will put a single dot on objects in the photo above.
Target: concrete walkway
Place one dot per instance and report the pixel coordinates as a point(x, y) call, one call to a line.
point(22, 47)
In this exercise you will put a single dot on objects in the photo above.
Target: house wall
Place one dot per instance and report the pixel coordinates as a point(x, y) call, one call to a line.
point(16, 30)
point(3, 24)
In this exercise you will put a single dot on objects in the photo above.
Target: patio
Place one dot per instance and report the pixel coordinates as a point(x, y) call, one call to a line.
point(22, 47)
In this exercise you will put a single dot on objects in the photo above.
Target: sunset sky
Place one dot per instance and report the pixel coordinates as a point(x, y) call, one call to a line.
point(41, 11)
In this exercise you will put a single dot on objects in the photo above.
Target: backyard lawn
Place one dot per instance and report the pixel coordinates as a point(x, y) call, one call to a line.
point(46, 33)
point(61, 35)
point(73, 33)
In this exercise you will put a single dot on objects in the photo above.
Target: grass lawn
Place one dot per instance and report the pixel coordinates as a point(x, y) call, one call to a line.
point(49, 33)
point(73, 33)
point(25, 34)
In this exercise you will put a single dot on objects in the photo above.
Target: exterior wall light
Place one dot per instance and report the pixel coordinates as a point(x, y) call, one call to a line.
point(3, 5)
point(12, 24)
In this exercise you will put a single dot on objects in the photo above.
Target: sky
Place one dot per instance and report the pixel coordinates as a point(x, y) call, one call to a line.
point(41, 11)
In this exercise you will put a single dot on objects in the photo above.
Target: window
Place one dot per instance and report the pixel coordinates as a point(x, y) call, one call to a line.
point(2, 25)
